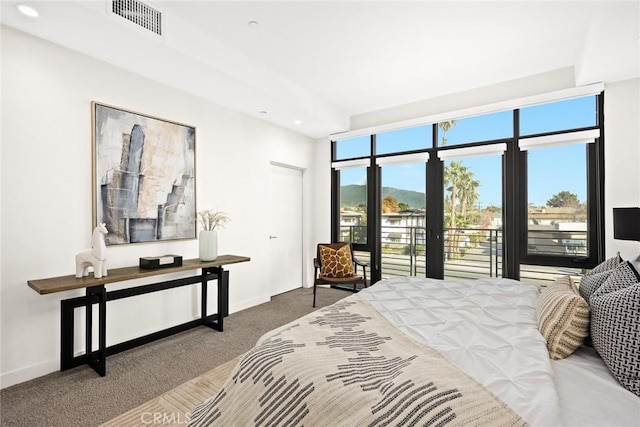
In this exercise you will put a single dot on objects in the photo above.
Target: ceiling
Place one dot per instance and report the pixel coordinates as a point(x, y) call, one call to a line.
point(317, 63)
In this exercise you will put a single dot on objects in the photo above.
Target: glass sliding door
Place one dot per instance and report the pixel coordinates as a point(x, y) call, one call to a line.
point(473, 217)
point(403, 219)
point(353, 205)
point(352, 208)
point(472, 179)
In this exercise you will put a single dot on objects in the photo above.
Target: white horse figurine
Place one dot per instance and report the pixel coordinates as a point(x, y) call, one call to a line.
point(96, 256)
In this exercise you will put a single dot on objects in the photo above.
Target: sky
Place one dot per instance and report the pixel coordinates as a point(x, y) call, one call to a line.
point(551, 170)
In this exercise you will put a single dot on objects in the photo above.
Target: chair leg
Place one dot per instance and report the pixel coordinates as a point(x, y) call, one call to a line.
point(366, 285)
point(314, 294)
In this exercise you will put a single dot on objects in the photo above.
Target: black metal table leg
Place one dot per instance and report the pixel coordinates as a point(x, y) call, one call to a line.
point(98, 359)
point(94, 295)
point(223, 293)
point(102, 333)
point(223, 297)
point(66, 334)
point(203, 295)
point(88, 323)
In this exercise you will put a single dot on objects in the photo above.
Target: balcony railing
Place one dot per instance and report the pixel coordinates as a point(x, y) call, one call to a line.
point(557, 242)
point(470, 253)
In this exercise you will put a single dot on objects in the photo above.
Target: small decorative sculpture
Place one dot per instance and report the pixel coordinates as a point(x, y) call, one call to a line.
point(96, 256)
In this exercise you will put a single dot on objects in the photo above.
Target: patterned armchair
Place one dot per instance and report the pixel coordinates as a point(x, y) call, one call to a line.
point(335, 265)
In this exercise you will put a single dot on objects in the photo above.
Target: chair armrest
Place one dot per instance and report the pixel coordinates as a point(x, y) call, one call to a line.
point(316, 264)
point(360, 263)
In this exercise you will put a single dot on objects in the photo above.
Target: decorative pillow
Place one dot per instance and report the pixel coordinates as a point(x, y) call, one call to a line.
point(622, 276)
point(563, 317)
point(590, 283)
point(606, 265)
point(336, 263)
point(615, 331)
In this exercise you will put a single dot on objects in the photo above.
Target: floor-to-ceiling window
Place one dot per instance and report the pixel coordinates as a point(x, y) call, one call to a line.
point(472, 149)
point(473, 216)
point(561, 146)
point(402, 217)
point(456, 198)
point(401, 165)
point(351, 195)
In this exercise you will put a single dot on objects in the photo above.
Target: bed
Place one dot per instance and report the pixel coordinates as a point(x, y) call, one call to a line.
point(417, 351)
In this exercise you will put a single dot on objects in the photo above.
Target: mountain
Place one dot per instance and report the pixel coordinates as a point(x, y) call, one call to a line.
point(354, 195)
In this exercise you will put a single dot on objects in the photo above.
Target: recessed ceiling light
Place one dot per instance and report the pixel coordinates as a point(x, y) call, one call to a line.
point(27, 10)
point(253, 24)
point(297, 122)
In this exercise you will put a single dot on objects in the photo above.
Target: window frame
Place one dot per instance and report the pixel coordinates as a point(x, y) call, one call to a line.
point(595, 202)
point(515, 201)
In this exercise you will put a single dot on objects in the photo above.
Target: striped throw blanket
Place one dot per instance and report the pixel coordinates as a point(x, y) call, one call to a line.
point(346, 365)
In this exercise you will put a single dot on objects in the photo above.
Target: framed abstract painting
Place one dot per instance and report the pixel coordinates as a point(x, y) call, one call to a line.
point(143, 176)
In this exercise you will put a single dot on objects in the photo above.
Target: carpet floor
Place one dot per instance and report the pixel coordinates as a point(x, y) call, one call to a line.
point(80, 397)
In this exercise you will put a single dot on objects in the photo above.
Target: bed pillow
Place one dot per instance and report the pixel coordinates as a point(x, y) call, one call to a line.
point(590, 283)
point(622, 276)
point(608, 264)
point(336, 263)
point(563, 317)
point(615, 332)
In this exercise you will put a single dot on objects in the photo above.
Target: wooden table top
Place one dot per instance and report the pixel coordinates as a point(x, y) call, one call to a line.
point(67, 283)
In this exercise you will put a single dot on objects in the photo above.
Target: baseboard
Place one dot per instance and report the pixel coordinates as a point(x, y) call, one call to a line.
point(29, 372)
point(243, 305)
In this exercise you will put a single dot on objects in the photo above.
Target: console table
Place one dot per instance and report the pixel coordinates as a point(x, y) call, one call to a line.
point(97, 294)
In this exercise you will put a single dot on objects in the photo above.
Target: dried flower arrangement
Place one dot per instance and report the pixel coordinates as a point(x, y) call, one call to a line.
point(210, 219)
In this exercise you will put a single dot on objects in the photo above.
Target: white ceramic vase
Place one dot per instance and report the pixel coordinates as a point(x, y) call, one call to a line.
point(208, 245)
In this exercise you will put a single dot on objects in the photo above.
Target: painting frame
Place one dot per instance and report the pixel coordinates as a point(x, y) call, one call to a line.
point(143, 176)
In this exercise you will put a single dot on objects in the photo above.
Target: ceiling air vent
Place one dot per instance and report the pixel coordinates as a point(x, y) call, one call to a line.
point(139, 13)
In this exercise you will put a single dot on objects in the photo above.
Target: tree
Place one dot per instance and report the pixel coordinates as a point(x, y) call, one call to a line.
point(463, 190)
point(446, 127)
point(403, 206)
point(453, 175)
point(564, 199)
point(468, 191)
point(390, 205)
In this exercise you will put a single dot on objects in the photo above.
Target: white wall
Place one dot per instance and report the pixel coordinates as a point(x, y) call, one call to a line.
point(505, 91)
point(46, 195)
point(321, 198)
point(622, 158)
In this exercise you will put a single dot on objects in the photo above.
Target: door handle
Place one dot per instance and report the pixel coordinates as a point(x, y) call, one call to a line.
point(273, 237)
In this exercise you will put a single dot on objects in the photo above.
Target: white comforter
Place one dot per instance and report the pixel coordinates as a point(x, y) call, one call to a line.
point(487, 328)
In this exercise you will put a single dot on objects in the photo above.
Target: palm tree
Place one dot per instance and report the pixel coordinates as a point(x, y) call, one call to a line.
point(453, 175)
point(468, 192)
point(446, 127)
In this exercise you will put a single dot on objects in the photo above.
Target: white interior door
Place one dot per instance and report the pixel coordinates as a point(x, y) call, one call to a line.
point(286, 229)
